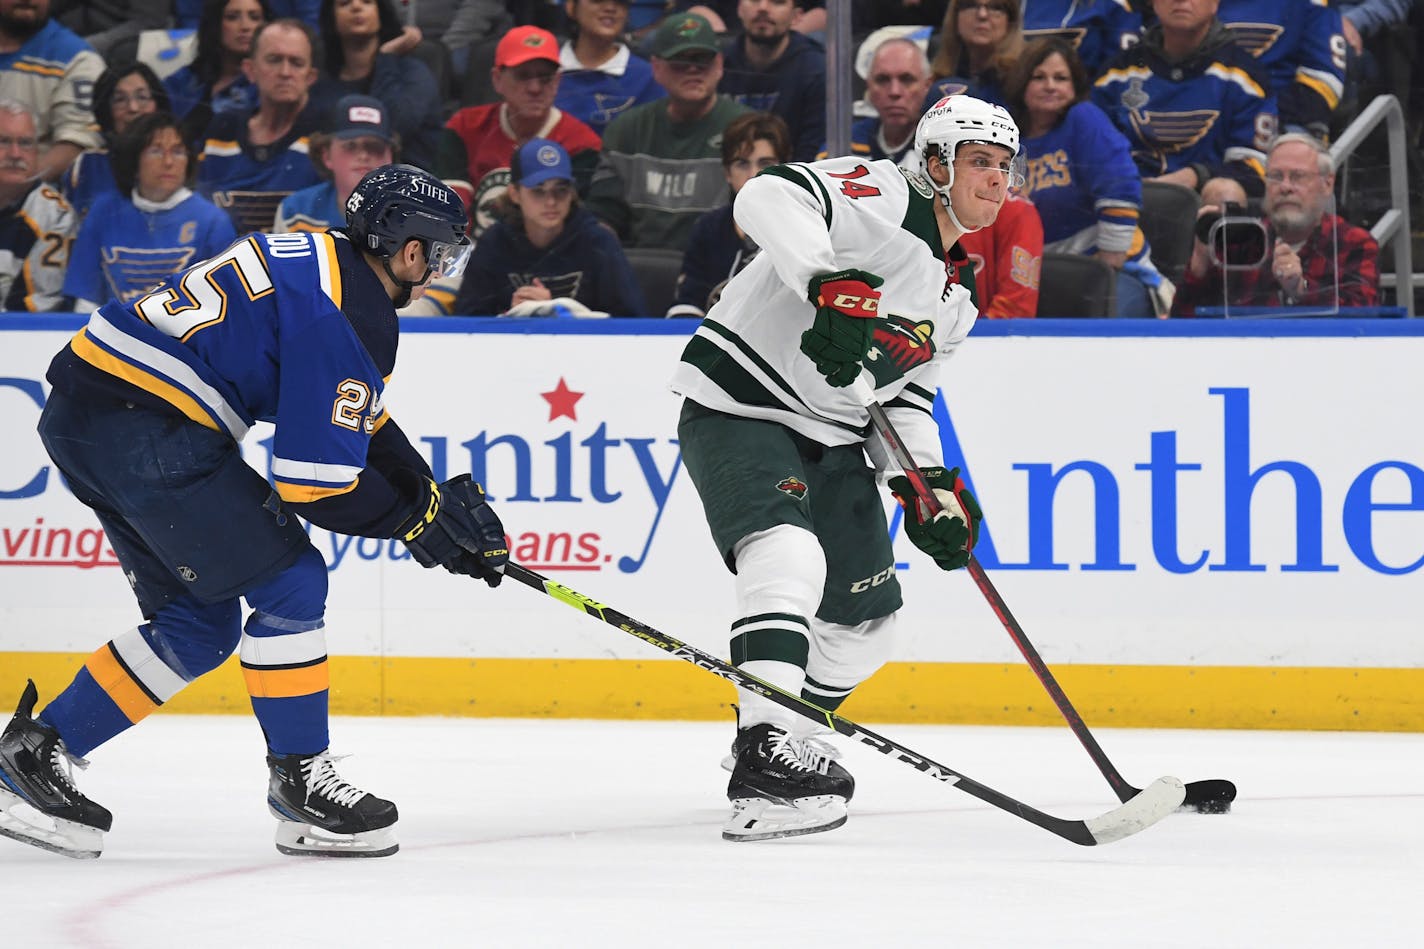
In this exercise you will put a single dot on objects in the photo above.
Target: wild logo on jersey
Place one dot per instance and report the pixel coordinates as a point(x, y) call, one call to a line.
point(793, 486)
point(901, 344)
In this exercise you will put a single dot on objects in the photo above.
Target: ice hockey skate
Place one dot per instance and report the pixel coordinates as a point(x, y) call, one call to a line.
point(39, 804)
point(321, 815)
point(784, 786)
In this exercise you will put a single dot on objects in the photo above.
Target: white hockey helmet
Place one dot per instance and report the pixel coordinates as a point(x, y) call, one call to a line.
point(959, 120)
point(955, 120)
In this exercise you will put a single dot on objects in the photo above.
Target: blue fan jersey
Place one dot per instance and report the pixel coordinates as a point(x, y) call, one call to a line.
point(1098, 29)
point(249, 181)
point(1301, 45)
point(1214, 108)
point(123, 251)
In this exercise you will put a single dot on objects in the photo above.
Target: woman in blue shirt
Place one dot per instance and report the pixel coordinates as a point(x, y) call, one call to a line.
point(151, 226)
point(1081, 175)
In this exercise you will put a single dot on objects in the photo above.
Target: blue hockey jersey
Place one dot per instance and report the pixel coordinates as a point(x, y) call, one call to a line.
point(1213, 109)
point(1301, 46)
point(128, 246)
point(257, 333)
point(1081, 177)
point(1099, 29)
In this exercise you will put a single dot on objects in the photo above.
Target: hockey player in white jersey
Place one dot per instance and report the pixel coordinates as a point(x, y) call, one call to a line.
point(860, 272)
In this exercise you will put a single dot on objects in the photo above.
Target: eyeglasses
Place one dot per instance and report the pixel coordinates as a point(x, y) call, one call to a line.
point(122, 99)
point(995, 10)
point(24, 143)
point(158, 152)
point(1296, 178)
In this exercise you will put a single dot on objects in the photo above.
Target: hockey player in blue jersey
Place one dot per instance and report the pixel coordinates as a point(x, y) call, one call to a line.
point(148, 405)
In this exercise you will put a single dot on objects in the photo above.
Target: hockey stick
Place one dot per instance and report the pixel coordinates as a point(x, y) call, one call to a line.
point(1145, 809)
point(1212, 796)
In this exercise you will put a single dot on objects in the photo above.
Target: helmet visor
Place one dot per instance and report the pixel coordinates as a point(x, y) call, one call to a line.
point(447, 260)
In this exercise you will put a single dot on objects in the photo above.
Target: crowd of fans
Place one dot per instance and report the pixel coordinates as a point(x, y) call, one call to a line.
point(139, 137)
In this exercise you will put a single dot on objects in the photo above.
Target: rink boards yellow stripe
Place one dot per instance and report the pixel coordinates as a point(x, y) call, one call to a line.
point(1362, 699)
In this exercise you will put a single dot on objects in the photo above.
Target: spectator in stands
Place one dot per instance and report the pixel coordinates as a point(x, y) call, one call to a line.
point(121, 95)
point(661, 166)
point(36, 223)
point(526, 78)
point(1299, 47)
point(1313, 257)
point(353, 31)
point(51, 71)
point(359, 140)
point(772, 68)
point(111, 27)
point(1080, 173)
point(896, 86)
point(600, 77)
point(978, 43)
point(215, 81)
point(252, 160)
point(1098, 29)
point(151, 226)
point(1007, 256)
point(718, 249)
point(1192, 104)
point(547, 248)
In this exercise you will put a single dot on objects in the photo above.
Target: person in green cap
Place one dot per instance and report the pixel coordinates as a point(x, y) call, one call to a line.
point(661, 166)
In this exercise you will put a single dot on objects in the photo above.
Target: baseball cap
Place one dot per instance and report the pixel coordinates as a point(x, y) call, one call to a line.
point(359, 116)
point(525, 43)
point(539, 160)
point(684, 33)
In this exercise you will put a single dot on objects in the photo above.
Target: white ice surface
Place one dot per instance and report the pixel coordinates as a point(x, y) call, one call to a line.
point(606, 834)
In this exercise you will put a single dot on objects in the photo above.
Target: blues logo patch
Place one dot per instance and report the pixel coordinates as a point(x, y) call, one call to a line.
point(793, 486)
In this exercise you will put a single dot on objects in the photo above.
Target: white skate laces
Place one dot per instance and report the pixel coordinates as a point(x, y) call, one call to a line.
point(802, 754)
point(323, 780)
point(63, 763)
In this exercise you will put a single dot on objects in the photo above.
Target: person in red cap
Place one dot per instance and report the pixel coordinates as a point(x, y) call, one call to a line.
point(526, 78)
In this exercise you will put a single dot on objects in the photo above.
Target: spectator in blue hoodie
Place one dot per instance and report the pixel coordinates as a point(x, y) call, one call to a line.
point(547, 246)
point(599, 77)
point(772, 68)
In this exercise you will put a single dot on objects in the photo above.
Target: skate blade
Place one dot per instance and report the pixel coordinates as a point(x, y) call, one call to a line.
point(65, 837)
point(759, 818)
point(304, 840)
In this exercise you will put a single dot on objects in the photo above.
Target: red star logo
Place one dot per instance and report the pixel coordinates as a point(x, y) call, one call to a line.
point(561, 401)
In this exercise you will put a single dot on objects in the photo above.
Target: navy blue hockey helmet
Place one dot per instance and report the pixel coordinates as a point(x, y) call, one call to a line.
point(394, 204)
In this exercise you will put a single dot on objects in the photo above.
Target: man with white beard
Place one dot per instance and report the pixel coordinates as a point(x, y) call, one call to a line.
point(1312, 257)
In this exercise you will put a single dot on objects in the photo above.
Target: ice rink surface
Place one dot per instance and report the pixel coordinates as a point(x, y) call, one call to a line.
point(607, 834)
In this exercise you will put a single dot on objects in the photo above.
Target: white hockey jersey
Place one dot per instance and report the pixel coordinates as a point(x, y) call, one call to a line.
point(818, 218)
point(35, 234)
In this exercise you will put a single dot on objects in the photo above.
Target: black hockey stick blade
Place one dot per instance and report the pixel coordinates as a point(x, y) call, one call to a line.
point(1213, 796)
point(1146, 808)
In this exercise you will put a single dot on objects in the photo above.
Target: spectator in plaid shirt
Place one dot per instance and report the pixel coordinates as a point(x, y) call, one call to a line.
point(1311, 247)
